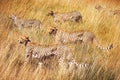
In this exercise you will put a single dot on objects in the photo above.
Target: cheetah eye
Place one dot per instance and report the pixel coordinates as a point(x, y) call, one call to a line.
point(27, 56)
point(21, 42)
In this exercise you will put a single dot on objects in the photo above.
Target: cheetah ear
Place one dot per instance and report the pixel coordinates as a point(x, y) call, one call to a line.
point(12, 16)
point(53, 49)
point(80, 35)
point(55, 29)
point(27, 38)
point(51, 13)
point(111, 46)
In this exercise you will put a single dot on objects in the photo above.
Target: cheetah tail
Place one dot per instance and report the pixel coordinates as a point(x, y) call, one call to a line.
point(109, 47)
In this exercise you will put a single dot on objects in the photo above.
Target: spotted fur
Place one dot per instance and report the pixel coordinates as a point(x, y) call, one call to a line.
point(63, 17)
point(43, 53)
point(85, 37)
point(21, 23)
point(115, 12)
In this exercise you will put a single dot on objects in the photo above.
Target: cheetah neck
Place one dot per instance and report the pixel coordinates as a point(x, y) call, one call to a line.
point(27, 42)
point(15, 20)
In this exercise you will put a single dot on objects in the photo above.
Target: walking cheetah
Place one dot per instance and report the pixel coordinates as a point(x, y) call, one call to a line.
point(21, 23)
point(73, 16)
point(115, 12)
point(46, 52)
point(85, 37)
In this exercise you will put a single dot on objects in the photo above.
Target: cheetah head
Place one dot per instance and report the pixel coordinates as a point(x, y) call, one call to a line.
point(98, 7)
point(12, 17)
point(53, 31)
point(24, 40)
point(50, 13)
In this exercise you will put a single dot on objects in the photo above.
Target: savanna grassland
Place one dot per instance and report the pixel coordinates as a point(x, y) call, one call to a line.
point(104, 65)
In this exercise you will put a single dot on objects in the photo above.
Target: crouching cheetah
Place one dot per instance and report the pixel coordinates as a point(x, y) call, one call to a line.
point(85, 37)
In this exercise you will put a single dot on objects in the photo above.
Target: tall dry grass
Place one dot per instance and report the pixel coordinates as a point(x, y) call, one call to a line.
point(104, 65)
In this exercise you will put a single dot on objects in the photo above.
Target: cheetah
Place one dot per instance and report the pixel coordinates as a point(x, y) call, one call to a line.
point(21, 23)
point(45, 52)
point(73, 16)
point(115, 12)
point(99, 7)
point(85, 37)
